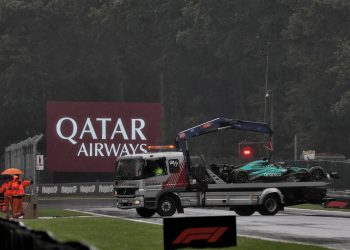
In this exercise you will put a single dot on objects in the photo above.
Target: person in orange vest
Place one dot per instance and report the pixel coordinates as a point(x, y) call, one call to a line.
point(2, 190)
point(6, 190)
point(18, 191)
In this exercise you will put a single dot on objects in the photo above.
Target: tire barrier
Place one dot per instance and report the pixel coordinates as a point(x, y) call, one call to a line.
point(15, 236)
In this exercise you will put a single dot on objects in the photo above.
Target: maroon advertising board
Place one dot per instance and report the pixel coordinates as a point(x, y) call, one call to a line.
point(89, 136)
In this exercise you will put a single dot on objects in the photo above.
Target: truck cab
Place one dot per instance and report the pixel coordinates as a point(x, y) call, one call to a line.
point(141, 179)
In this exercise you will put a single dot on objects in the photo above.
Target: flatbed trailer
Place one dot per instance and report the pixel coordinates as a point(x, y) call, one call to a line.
point(244, 199)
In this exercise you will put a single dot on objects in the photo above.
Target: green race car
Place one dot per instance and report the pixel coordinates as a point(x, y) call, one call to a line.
point(263, 171)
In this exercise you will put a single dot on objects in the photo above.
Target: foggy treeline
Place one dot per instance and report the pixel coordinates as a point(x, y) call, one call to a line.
point(200, 58)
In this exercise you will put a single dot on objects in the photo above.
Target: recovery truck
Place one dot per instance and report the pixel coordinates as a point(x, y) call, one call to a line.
point(169, 181)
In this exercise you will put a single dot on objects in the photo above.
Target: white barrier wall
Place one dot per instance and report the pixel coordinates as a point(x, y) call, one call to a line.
point(75, 188)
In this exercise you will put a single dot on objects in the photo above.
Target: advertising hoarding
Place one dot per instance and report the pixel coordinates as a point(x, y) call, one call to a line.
point(89, 136)
point(200, 232)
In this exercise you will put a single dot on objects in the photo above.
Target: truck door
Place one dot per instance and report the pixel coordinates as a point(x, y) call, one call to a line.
point(177, 174)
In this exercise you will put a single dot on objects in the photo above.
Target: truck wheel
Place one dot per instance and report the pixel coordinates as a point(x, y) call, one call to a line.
point(270, 206)
point(316, 173)
point(166, 206)
point(145, 212)
point(241, 177)
point(244, 210)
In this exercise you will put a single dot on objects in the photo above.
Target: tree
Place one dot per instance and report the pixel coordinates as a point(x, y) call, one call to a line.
point(315, 33)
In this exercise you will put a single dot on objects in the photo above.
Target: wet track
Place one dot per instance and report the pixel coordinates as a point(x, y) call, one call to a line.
point(325, 228)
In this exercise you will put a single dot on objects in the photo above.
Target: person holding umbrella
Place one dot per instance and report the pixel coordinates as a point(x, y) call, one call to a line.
point(8, 188)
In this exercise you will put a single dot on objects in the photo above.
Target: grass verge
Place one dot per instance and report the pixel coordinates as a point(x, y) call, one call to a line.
point(109, 233)
point(51, 212)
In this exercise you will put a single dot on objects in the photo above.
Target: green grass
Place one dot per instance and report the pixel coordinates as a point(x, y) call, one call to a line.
point(109, 233)
point(49, 212)
point(319, 207)
point(104, 233)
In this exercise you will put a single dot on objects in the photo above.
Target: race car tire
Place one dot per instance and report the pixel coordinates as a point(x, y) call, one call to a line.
point(316, 173)
point(270, 205)
point(244, 210)
point(241, 177)
point(166, 206)
point(145, 212)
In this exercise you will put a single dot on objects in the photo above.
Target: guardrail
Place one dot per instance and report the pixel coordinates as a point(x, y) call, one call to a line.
point(15, 236)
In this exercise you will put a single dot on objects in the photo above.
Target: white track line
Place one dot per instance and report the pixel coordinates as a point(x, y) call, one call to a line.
point(115, 217)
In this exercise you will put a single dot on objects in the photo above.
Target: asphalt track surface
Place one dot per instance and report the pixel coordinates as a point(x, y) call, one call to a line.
point(326, 228)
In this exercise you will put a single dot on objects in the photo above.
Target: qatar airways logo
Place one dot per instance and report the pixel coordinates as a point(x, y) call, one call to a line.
point(103, 129)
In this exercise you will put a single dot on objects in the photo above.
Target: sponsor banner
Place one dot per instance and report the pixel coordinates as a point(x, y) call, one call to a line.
point(75, 188)
point(200, 232)
point(338, 203)
point(89, 136)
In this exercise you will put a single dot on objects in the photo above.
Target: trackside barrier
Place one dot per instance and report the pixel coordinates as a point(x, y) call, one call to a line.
point(15, 236)
point(89, 188)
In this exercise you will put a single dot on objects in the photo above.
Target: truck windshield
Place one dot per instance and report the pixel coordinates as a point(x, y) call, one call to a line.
point(138, 168)
point(129, 169)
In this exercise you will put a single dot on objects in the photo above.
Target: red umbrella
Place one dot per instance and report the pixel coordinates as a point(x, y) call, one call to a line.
point(12, 171)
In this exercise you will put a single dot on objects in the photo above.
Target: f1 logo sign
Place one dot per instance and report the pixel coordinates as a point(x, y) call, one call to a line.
point(337, 204)
point(211, 234)
point(213, 231)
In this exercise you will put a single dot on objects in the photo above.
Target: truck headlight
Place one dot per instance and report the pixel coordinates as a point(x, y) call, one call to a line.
point(137, 202)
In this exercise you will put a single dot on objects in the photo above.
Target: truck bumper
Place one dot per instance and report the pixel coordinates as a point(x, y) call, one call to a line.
point(130, 202)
